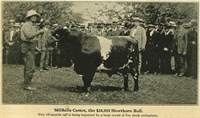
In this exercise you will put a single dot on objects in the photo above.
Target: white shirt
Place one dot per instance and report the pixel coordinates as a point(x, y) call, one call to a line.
point(134, 31)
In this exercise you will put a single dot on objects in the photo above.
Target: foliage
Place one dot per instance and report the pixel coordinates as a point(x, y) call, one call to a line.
point(153, 12)
point(55, 12)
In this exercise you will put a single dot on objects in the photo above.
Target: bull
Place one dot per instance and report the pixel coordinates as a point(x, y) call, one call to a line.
point(90, 54)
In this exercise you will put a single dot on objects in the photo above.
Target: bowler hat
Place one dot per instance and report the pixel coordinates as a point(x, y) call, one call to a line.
point(46, 23)
point(187, 25)
point(141, 20)
point(136, 19)
point(150, 26)
point(55, 25)
point(11, 21)
point(172, 24)
point(99, 26)
point(193, 22)
point(32, 13)
point(17, 25)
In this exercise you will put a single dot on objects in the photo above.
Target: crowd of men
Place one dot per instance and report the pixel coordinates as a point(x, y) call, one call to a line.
point(164, 48)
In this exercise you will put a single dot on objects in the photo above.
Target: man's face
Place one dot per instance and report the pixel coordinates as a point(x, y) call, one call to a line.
point(33, 18)
point(157, 26)
point(11, 24)
point(136, 23)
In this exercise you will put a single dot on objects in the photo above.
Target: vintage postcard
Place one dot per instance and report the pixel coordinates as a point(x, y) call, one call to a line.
point(99, 59)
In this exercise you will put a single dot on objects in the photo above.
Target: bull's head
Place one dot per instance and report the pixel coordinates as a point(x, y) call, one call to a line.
point(69, 42)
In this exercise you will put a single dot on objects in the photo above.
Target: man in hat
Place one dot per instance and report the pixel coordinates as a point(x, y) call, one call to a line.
point(43, 45)
point(16, 49)
point(180, 49)
point(166, 47)
point(192, 49)
point(150, 55)
point(29, 37)
point(99, 31)
point(8, 41)
point(125, 30)
point(139, 34)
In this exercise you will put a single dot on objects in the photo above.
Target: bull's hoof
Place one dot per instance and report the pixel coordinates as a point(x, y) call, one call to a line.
point(86, 89)
point(136, 90)
point(126, 89)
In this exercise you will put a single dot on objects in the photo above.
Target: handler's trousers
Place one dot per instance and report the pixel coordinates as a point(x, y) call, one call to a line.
point(29, 67)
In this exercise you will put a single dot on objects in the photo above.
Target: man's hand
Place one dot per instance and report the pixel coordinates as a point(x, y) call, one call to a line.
point(40, 31)
point(184, 53)
point(166, 49)
point(142, 49)
point(193, 42)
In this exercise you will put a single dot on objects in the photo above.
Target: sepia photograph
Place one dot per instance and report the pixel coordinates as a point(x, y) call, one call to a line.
point(99, 53)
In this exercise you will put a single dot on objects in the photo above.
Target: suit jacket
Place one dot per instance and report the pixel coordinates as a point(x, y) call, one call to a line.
point(166, 41)
point(192, 40)
point(180, 40)
point(152, 40)
point(8, 38)
point(44, 38)
point(140, 36)
point(114, 32)
point(125, 33)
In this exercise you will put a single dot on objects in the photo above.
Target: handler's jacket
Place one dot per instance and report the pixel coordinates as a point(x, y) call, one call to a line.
point(28, 33)
point(140, 36)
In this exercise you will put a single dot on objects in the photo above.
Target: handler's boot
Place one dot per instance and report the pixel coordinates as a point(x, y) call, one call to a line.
point(30, 88)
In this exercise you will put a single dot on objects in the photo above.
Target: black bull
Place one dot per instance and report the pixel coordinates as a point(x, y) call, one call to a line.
point(85, 53)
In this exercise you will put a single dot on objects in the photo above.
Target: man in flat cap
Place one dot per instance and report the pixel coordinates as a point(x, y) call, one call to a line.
point(180, 48)
point(29, 35)
point(139, 34)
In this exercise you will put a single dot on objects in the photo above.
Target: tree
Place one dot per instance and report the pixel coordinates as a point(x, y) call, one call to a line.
point(55, 12)
point(154, 12)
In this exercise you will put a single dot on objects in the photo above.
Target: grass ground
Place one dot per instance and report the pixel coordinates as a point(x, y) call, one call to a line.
point(62, 86)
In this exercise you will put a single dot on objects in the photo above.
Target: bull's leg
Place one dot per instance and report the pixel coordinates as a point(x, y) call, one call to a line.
point(134, 68)
point(125, 81)
point(87, 80)
point(125, 75)
point(135, 75)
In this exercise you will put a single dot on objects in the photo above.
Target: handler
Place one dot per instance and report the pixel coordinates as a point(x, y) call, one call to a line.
point(29, 37)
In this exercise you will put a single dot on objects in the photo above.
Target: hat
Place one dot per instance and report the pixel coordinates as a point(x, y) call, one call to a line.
point(141, 20)
point(127, 25)
point(150, 26)
point(136, 19)
point(17, 25)
point(46, 23)
point(90, 24)
point(74, 26)
point(172, 24)
point(11, 21)
point(55, 25)
point(81, 25)
point(32, 13)
point(99, 26)
point(187, 25)
point(193, 22)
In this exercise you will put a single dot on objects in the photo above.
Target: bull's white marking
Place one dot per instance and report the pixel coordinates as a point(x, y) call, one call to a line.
point(106, 45)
